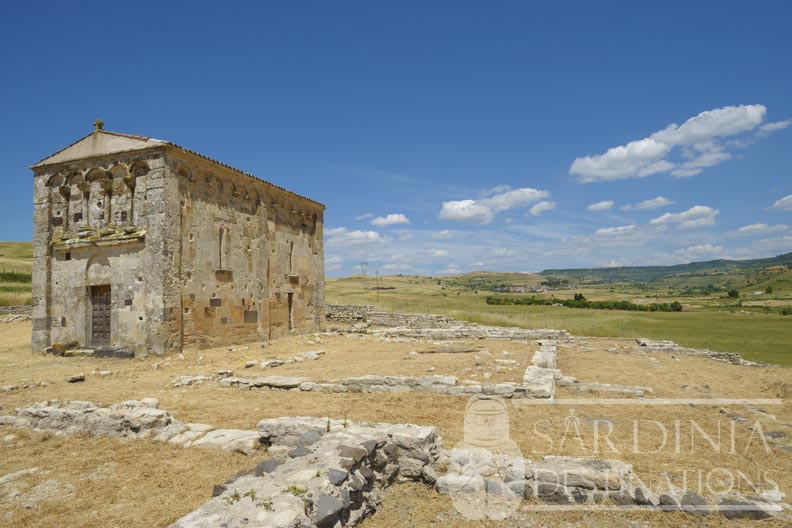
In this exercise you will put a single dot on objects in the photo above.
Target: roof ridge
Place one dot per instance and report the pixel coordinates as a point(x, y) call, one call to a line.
point(161, 143)
point(244, 173)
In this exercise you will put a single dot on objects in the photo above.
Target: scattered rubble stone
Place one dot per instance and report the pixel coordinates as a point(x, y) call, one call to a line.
point(76, 378)
point(311, 355)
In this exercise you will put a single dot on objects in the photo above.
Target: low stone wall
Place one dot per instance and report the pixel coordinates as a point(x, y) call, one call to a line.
point(15, 314)
point(732, 358)
point(130, 419)
point(466, 331)
point(428, 326)
point(540, 376)
point(347, 313)
point(409, 320)
point(311, 355)
point(635, 391)
point(575, 481)
point(21, 309)
point(323, 473)
point(437, 384)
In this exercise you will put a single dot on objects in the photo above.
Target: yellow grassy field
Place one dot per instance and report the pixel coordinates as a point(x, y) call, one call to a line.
point(88, 482)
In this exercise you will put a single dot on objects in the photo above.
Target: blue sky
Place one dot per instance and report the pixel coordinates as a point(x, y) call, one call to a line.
point(443, 137)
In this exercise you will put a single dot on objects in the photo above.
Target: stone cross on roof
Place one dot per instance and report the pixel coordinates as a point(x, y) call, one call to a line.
point(98, 125)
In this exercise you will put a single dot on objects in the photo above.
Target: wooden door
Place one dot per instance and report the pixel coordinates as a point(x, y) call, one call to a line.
point(100, 316)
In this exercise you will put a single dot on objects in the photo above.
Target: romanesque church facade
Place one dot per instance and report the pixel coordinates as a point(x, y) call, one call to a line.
point(144, 245)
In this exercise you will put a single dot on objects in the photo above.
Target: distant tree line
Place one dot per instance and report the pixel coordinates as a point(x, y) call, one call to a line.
point(580, 302)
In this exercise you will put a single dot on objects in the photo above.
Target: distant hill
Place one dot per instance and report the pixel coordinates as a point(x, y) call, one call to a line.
point(733, 269)
point(493, 280)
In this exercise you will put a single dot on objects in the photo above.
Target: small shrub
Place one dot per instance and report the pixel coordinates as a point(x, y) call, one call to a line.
point(296, 490)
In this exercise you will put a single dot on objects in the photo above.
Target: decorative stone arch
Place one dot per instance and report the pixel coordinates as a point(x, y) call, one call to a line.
point(184, 172)
point(75, 177)
point(97, 173)
point(58, 201)
point(56, 180)
point(122, 197)
point(100, 196)
point(118, 172)
point(75, 191)
point(139, 168)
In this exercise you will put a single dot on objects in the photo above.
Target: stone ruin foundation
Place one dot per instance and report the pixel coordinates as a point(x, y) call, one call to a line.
point(329, 473)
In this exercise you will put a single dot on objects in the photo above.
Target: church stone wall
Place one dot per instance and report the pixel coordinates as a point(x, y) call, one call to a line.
point(247, 247)
point(195, 253)
point(101, 221)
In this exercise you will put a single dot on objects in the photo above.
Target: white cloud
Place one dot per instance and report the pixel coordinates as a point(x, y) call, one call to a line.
point(785, 203)
point(341, 236)
point(641, 158)
point(482, 211)
point(620, 230)
point(389, 220)
point(605, 205)
point(452, 269)
point(699, 252)
point(541, 207)
point(443, 235)
point(438, 253)
point(696, 216)
point(466, 211)
point(702, 155)
point(772, 127)
point(406, 236)
point(335, 260)
point(514, 198)
point(364, 216)
point(760, 229)
point(501, 252)
point(654, 203)
point(706, 126)
point(769, 246)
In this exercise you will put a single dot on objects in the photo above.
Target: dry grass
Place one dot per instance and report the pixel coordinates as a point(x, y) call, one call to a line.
point(158, 483)
point(99, 482)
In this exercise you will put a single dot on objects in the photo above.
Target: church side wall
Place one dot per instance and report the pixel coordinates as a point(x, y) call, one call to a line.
point(246, 249)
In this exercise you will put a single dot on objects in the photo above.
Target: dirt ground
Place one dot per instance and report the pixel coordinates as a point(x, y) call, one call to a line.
point(105, 482)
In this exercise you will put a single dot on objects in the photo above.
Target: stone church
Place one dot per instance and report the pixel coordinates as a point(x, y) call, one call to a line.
point(142, 245)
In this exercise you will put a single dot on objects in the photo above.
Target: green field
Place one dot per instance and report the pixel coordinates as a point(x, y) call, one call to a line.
point(714, 321)
point(16, 263)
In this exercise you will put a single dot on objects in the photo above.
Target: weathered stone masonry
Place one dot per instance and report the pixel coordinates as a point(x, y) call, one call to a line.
point(143, 244)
